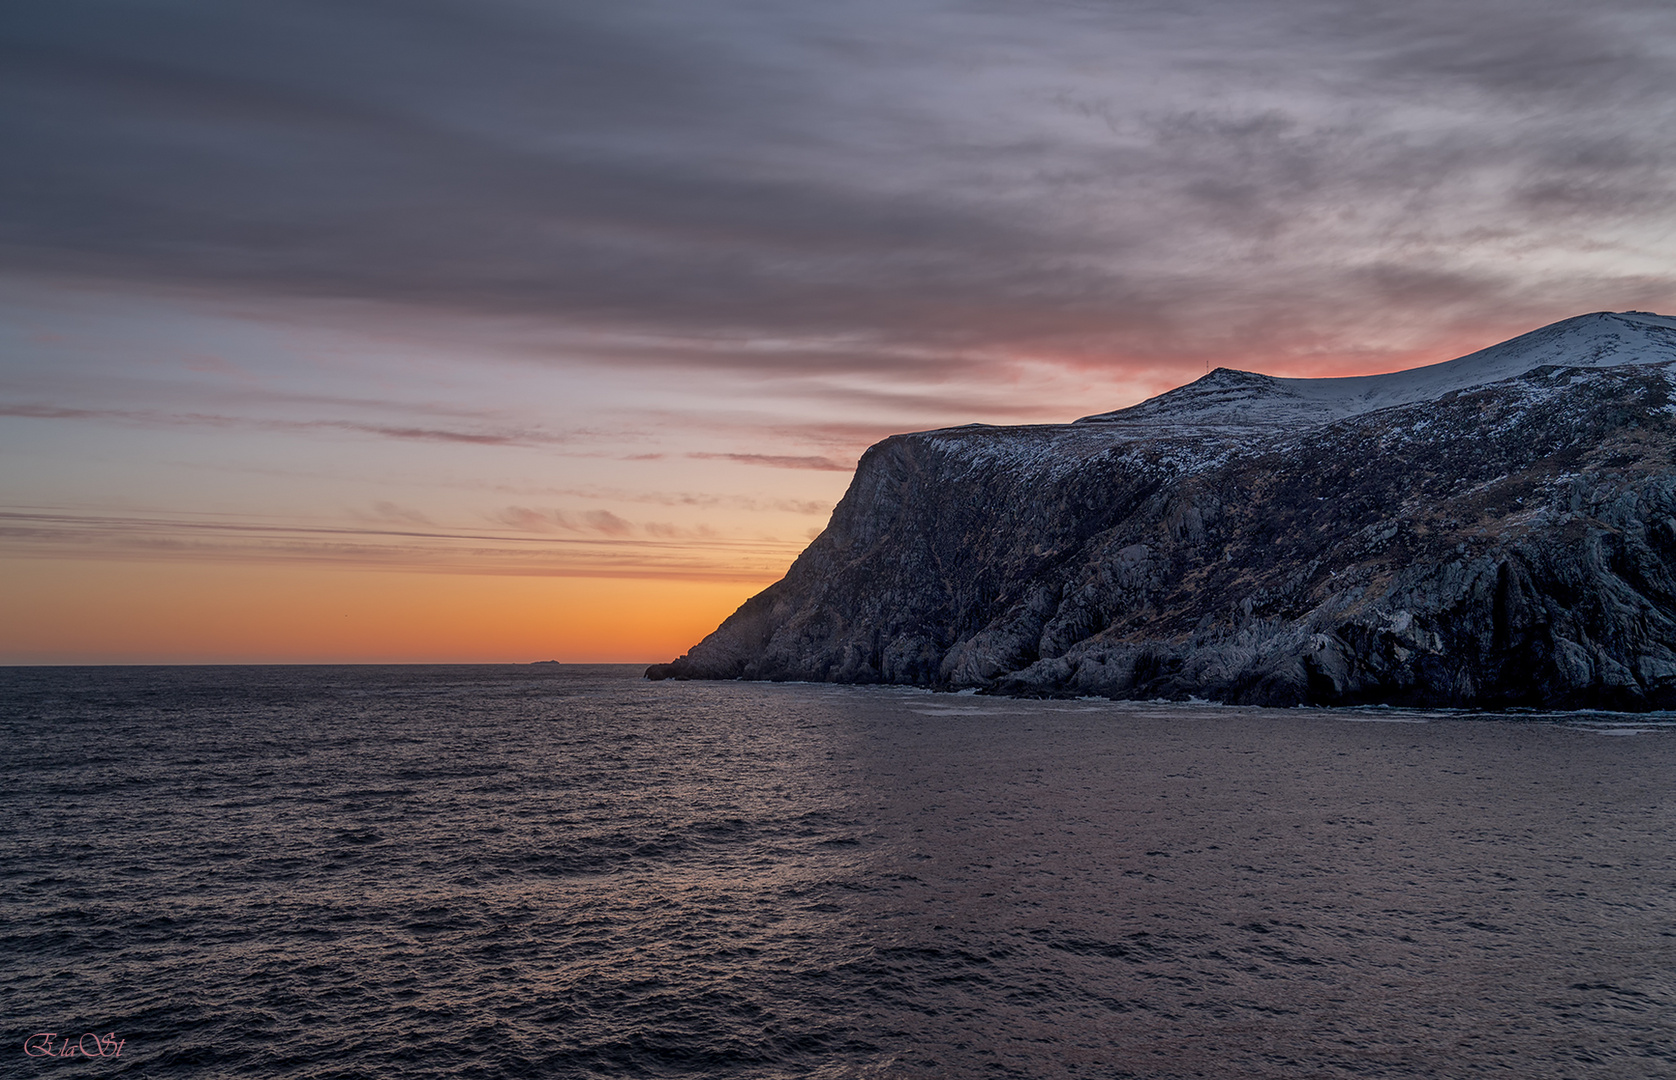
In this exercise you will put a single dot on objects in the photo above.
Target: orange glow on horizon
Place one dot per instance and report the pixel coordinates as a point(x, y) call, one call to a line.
point(85, 612)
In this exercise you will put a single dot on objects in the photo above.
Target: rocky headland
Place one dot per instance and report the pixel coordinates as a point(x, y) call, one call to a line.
point(1492, 532)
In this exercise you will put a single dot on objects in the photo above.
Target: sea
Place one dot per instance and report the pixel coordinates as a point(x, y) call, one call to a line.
point(568, 871)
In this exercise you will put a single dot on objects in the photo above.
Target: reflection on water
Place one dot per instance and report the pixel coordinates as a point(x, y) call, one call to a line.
point(571, 872)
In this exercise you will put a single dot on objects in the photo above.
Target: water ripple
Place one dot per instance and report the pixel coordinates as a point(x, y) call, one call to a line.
point(562, 871)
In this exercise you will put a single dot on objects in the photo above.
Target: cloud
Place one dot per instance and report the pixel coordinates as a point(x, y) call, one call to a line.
point(408, 432)
point(386, 511)
point(523, 517)
point(606, 523)
point(1551, 53)
point(668, 553)
point(702, 499)
point(602, 523)
point(918, 188)
point(779, 461)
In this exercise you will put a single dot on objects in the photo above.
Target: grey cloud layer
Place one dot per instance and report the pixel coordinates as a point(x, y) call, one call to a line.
point(922, 179)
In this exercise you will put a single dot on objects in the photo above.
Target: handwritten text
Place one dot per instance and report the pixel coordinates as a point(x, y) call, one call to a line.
point(48, 1044)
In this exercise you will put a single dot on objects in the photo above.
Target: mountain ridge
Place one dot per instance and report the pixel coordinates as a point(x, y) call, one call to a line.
point(1598, 339)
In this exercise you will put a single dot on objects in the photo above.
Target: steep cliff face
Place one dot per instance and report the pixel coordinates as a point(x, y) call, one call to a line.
point(1457, 535)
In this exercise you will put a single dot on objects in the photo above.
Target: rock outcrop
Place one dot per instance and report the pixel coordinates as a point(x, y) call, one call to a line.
point(1495, 532)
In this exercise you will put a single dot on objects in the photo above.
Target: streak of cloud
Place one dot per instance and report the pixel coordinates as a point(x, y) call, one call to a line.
point(676, 554)
point(778, 461)
point(408, 432)
point(697, 499)
point(393, 513)
point(597, 523)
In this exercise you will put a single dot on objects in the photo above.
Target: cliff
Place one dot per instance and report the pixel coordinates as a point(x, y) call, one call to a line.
point(1496, 531)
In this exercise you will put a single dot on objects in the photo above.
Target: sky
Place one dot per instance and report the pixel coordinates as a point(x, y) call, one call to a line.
point(510, 330)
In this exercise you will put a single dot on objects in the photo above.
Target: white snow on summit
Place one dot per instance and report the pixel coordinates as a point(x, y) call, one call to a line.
point(1227, 398)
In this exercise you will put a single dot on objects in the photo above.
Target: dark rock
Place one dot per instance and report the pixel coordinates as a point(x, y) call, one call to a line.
point(1507, 544)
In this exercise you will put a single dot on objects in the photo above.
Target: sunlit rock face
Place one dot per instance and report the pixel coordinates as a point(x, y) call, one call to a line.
point(1497, 531)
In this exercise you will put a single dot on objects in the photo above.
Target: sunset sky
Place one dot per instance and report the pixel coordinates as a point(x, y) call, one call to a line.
point(506, 330)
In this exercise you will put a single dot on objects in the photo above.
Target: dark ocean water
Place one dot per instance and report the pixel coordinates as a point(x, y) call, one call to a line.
point(567, 871)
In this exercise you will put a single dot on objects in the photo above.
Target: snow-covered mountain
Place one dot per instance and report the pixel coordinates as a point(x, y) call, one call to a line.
point(1228, 398)
point(1493, 531)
